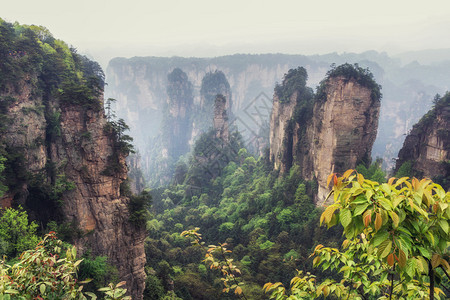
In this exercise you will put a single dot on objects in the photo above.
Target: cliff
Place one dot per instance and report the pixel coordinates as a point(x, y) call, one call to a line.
point(139, 83)
point(64, 162)
point(220, 120)
point(183, 121)
point(425, 152)
point(344, 128)
point(333, 133)
point(292, 107)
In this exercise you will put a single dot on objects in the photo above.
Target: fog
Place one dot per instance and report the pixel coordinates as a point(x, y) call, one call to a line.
point(105, 29)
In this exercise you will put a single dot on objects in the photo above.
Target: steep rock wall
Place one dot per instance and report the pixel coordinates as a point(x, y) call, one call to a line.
point(330, 133)
point(427, 146)
point(220, 121)
point(343, 130)
point(55, 141)
point(281, 139)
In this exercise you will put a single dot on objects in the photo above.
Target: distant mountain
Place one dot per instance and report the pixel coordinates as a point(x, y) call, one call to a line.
point(140, 86)
point(426, 57)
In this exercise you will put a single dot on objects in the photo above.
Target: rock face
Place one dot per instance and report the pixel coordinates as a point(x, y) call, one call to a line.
point(281, 138)
point(64, 162)
point(427, 146)
point(177, 125)
point(291, 114)
point(331, 135)
point(183, 121)
point(343, 130)
point(220, 121)
point(95, 203)
point(81, 152)
point(139, 85)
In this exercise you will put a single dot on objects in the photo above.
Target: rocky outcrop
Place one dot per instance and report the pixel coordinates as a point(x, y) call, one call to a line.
point(344, 128)
point(220, 121)
point(177, 123)
point(184, 121)
point(427, 146)
point(291, 112)
point(334, 133)
point(175, 132)
point(96, 204)
point(78, 153)
point(64, 161)
point(281, 138)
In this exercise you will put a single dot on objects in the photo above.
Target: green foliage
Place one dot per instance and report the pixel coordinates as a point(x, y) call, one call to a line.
point(97, 271)
point(216, 258)
point(293, 81)
point(373, 172)
point(122, 146)
point(260, 216)
point(115, 292)
point(17, 234)
point(350, 72)
point(122, 142)
point(154, 289)
point(53, 67)
point(139, 208)
point(48, 272)
point(405, 170)
point(397, 237)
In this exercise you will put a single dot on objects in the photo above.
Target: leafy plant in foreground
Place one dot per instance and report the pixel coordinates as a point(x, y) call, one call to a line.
point(49, 272)
point(396, 247)
point(217, 258)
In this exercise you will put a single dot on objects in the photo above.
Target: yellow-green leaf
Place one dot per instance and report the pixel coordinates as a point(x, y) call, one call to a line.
point(395, 218)
point(345, 217)
point(347, 173)
point(360, 209)
point(360, 178)
point(435, 260)
point(329, 178)
point(385, 248)
point(367, 217)
point(42, 288)
point(327, 214)
point(444, 225)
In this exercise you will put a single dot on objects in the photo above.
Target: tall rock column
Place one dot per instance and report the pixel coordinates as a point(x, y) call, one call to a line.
point(220, 121)
point(331, 132)
point(343, 129)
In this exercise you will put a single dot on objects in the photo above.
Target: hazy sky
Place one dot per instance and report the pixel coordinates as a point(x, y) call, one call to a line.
point(108, 28)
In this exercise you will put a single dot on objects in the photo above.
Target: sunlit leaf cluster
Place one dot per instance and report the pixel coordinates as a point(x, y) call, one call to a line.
point(397, 238)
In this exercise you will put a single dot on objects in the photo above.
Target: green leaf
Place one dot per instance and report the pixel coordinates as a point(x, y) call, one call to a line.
point(327, 214)
point(360, 209)
point(395, 218)
point(401, 258)
point(380, 237)
point(387, 205)
point(425, 252)
point(444, 225)
point(385, 248)
point(346, 217)
point(42, 288)
point(411, 267)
